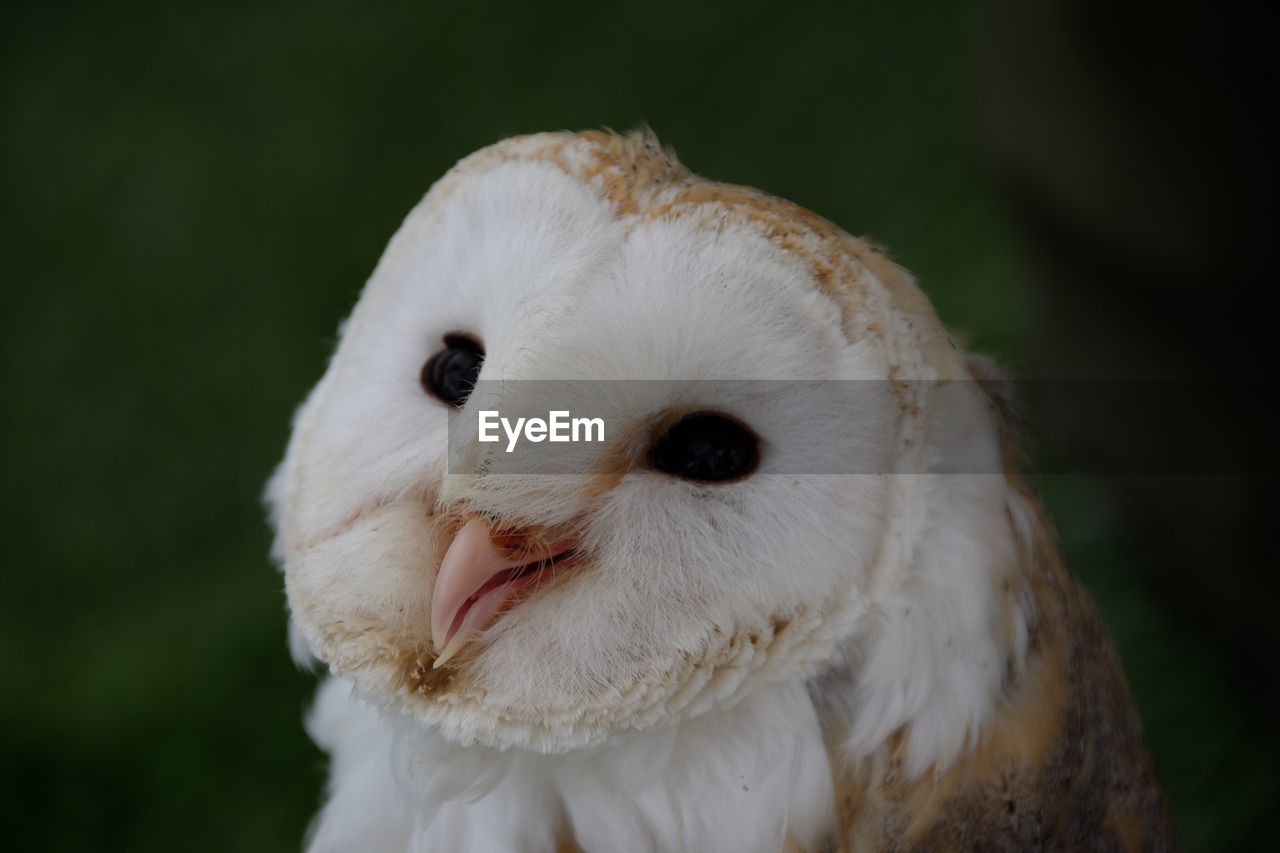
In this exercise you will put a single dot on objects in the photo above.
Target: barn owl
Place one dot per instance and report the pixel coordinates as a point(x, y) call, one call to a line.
point(695, 644)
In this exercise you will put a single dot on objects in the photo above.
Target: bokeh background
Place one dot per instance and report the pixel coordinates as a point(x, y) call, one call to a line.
point(193, 194)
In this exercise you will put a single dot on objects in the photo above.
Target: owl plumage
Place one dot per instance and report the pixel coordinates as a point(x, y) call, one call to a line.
point(892, 659)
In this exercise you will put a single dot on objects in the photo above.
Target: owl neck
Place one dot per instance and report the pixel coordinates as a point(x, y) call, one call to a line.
point(953, 602)
point(1045, 743)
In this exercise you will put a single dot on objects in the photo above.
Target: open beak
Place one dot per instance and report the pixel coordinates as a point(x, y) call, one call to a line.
point(478, 575)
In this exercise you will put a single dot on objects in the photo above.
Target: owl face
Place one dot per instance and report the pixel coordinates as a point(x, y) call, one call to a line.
point(696, 553)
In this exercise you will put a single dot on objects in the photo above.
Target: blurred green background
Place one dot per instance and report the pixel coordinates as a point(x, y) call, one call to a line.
point(193, 195)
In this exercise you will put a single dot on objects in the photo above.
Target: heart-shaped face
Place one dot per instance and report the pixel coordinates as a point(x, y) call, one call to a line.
point(705, 544)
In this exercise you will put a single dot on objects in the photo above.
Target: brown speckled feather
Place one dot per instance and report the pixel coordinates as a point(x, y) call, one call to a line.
point(1063, 766)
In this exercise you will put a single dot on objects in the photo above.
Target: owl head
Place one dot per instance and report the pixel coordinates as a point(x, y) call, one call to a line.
point(717, 540)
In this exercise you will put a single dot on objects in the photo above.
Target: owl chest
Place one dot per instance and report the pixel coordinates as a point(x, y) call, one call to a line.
point(752, 778)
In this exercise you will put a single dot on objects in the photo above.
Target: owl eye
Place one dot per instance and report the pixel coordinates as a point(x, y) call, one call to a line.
point(450, 374)
point(707, 447)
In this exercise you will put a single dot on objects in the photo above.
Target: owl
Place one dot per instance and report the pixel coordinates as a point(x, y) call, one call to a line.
point(762, 613)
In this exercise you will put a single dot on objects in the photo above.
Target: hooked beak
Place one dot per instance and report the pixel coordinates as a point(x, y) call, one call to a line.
point(478, 575)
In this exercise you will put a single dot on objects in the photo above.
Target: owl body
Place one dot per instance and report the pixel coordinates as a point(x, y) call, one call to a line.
point(753, 777)
point(720, 632)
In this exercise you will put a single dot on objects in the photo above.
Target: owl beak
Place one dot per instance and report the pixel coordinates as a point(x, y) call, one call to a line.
point(479, 574)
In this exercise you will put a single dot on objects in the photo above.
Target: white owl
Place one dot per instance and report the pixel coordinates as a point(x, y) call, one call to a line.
point(703, 641)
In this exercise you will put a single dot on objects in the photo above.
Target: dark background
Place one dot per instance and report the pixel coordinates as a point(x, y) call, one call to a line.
point(193, 195)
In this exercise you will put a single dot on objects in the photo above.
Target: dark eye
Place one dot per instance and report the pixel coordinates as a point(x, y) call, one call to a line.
point(450, 374)
point(708, 448)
